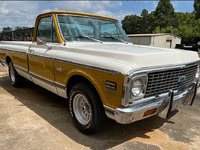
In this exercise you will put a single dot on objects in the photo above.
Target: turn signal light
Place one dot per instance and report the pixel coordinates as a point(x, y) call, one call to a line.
point(149, 112)
point(165, 105)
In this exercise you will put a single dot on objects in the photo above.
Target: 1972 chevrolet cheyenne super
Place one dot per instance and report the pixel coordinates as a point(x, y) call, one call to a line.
point(89, 60)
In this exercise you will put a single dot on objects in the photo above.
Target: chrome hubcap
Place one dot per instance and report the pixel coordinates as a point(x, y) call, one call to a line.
point(82, 109)
point(12, 74)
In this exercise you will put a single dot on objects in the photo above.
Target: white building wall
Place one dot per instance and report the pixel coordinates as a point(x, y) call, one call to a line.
point(167, 41)
point(141, 40)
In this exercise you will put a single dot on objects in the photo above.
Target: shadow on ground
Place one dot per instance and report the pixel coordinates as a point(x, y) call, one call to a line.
point(54, 110)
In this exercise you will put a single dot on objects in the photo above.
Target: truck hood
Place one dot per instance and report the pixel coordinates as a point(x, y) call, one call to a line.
point(136, 56)
point(118, 57)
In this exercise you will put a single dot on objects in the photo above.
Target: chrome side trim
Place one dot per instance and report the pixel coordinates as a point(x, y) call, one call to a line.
point(50, 58)
point(41, 78)
point(13, 50)
point(61, 89)
point(90, 67)
point(60, 85)
point(43, 82)
point(23, 72)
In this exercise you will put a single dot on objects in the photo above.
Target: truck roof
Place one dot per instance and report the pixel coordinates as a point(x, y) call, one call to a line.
point(76, 13)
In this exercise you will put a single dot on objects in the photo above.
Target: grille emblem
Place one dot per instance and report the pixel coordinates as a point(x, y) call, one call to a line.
point(181, 78)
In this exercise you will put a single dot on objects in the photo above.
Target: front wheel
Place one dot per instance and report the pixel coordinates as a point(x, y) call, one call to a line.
point(86, 109)
point(15, 79)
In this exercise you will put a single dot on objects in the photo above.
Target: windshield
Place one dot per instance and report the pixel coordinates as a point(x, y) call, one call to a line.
point(78, 28)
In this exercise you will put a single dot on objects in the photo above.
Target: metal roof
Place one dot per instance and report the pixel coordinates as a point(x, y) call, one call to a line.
point(152, 34)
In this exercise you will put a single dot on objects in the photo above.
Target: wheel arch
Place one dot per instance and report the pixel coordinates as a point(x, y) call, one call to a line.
point(81, 77)
point(8, 60)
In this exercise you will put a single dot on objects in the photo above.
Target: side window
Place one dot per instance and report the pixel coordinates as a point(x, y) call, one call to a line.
point(45, 28)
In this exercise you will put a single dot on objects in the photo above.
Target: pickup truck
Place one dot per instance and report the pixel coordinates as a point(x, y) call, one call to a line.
point(191, 47)
point(89, 60)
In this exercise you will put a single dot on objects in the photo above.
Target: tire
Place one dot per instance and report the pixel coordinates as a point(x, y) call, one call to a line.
point(15, 79)
point(86, 109)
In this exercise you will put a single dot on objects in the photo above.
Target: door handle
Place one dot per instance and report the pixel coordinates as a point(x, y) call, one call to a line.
point(31, 50)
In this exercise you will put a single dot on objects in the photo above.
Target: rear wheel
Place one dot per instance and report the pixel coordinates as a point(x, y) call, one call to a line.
point(15, 79)
point(86, 109)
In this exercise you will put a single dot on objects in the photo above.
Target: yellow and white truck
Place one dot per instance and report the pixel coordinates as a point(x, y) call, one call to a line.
point(89, 60)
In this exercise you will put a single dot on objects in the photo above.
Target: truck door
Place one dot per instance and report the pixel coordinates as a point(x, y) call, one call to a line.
point(41, 55)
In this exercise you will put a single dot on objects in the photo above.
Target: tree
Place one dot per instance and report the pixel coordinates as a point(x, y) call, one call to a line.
point(165, 20)
point(185, 18)
point(25, 31)
point(164, 14)
point(196, 30)
point(144, 22)
point(144, 13)
point(197, 9)
point(18, 31)
point(6, 29)
point(132, 24)
point(188, 29)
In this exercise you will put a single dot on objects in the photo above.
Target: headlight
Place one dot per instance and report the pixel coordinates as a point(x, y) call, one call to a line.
point(134, 88)
point(138, 87)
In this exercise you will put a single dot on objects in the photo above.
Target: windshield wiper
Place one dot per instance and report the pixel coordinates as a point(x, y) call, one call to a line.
point(113, 37)
point(83, 36)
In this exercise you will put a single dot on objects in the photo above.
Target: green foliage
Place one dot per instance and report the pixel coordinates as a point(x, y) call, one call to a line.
point(132, 24)
point(21, 30)
point(144, 21)
point(165, 20)
point(188, 29)
point(6, 29)
point(197, 9)
point(164, 14)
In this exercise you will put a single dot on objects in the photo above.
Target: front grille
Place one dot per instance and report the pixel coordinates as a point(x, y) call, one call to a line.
point(162, 82)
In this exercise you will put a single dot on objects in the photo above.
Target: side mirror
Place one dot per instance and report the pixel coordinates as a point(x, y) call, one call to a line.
point(41, 41)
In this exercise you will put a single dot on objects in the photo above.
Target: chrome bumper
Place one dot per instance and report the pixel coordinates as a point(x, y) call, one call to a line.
point(137, 110)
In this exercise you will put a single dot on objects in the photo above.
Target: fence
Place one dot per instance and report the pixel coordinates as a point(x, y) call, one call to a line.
point(18, 35)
